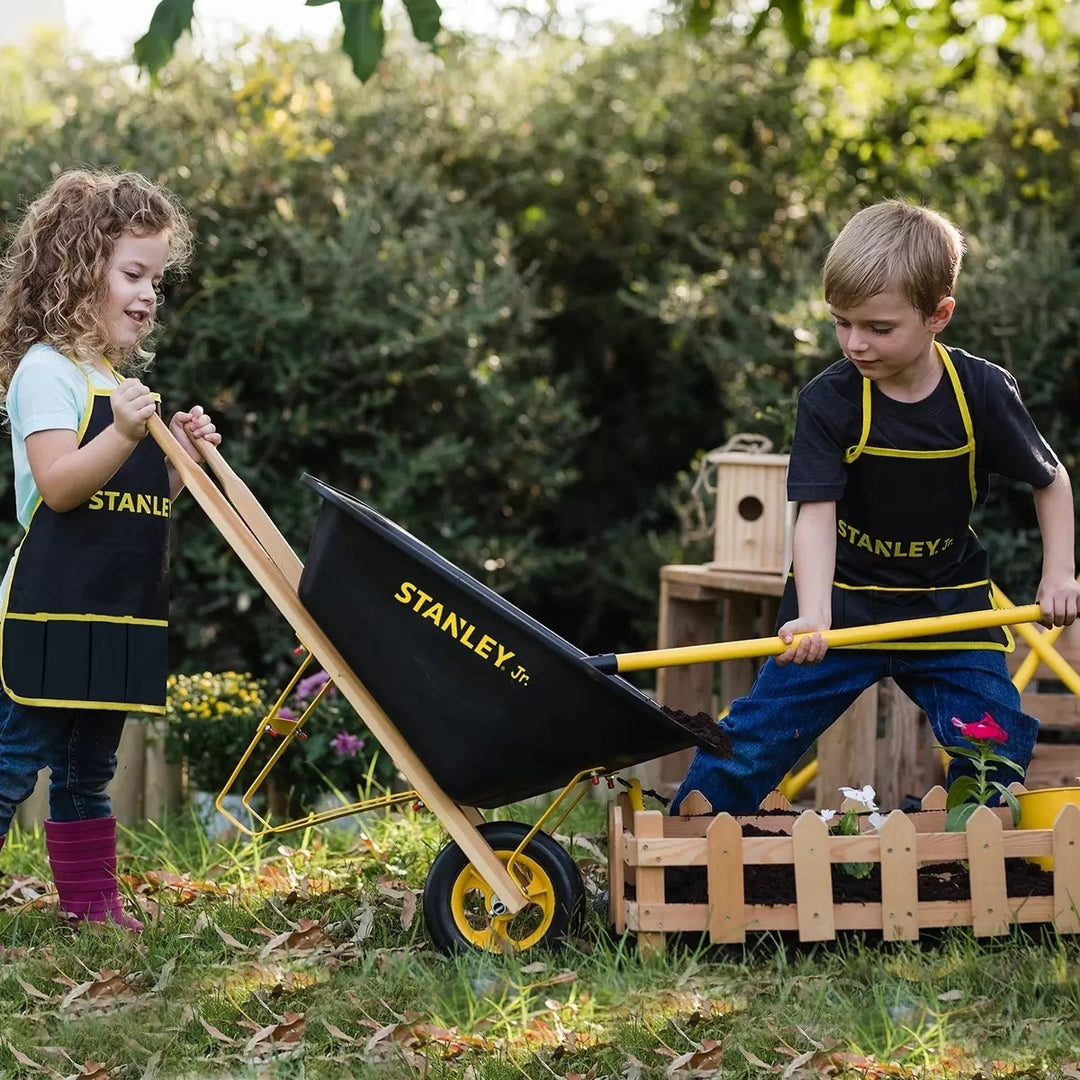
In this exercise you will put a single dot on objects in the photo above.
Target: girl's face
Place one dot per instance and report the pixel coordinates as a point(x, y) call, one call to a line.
point(134, 275)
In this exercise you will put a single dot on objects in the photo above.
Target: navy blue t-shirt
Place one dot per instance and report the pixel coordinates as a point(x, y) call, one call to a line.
point(829, 422)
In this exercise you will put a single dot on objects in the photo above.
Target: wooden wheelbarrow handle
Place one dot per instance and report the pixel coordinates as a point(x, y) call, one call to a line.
point(238, 493)
point(614, 664)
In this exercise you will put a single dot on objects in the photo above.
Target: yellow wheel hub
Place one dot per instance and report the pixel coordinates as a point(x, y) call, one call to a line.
point(470, 904)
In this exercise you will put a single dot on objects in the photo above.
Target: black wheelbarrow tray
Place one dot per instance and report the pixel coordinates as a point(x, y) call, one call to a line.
point(477, 704)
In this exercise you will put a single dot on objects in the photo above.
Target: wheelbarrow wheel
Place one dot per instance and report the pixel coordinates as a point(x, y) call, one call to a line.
point(457, 900)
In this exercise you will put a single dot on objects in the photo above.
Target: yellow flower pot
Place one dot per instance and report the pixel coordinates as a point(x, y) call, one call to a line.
point(1039, 810)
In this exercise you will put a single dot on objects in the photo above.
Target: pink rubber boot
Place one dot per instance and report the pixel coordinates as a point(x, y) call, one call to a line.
point(83, 859)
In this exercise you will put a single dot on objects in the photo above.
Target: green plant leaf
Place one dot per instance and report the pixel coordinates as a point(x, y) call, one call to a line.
point(963, 751)
point(1000, 759)
point(1010, 800)
point(957, 818)
point(793, 19)
point(364, 35)
point(699, 16)
point(962, 790)
point(857, 869)
point(155, 48)
point(425, 16)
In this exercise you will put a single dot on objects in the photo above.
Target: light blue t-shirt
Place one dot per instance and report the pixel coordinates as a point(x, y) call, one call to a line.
point(48, 391)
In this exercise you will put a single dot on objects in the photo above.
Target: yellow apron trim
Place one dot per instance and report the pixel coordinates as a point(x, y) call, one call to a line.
point(985, 583)
point(965, 415)
point(108, 706)
point(877, 451)
point(48, 616)
point(854, 451)
point(120, 378)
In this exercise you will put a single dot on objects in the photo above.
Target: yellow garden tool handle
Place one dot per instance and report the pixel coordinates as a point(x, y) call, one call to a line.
point(613, 664)
point(1041, 644)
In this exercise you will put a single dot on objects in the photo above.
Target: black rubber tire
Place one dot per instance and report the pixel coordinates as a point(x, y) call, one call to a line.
point(454, 895)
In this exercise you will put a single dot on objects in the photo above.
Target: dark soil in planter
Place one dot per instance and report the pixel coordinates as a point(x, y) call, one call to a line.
point(771, 885)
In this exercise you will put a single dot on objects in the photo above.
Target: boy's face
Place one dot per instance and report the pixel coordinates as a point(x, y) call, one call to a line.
point(889, 341)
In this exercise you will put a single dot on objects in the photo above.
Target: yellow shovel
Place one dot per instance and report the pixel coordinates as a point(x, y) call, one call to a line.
point(617, 664)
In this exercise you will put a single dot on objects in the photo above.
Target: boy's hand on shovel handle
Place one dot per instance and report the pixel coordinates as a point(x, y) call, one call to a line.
point(811, 646)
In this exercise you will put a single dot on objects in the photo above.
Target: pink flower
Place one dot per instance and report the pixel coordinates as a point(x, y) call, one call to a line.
point(345, 744)
point(286, 713)
point(986, 728)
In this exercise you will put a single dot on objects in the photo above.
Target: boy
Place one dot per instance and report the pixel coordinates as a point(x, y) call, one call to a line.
point(894, 447)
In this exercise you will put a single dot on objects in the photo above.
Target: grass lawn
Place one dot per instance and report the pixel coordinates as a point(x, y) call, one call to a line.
point(307, 956)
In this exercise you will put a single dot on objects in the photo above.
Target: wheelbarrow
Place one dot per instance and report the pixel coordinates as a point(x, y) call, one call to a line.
point(477, 704)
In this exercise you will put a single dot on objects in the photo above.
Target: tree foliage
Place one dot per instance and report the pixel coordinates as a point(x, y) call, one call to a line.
point(967, 30)
point(510, 300)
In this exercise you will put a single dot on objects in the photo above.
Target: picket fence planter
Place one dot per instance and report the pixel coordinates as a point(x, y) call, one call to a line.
point(643, 846)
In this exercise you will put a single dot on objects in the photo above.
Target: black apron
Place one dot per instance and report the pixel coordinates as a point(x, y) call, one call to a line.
point(905, 548)
point(85, 622)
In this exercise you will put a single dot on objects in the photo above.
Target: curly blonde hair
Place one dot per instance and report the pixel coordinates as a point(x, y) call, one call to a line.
point(54, 275)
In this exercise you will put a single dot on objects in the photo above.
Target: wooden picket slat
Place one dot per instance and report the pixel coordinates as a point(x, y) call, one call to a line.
point(695, 805)
point(616, 868)
point(990, 915)
point(1067, 870)
point(935, 798)
point(813, 878)
point(775, 800)
point(649, 824)
point(899, 879)
point(727, 901)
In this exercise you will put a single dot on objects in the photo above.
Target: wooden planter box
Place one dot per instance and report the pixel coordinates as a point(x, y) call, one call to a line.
point(642, 846)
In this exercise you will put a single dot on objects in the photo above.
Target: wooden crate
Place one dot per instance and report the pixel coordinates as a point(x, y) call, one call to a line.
point(754, 520)
point(642, 846)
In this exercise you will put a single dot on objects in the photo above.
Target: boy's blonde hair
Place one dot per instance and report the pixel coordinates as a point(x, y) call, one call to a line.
point(895, 246)
point(54, 276)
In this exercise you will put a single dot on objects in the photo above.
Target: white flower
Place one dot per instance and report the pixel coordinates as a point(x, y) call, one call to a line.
point(876, 820)
point(827, 815)
point(865, 797)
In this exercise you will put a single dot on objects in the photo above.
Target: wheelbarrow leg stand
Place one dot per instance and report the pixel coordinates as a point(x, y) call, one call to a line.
point(277, 569)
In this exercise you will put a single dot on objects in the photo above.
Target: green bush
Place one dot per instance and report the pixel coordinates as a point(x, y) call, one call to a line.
point(210, 721)
point(212, 718)
point(511, 300)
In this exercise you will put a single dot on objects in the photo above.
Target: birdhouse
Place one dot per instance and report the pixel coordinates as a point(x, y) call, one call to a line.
point(754, 519)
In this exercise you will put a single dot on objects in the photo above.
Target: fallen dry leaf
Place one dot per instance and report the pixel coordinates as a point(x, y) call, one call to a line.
point(34, 992)
point(216, 1034)
point(21, 1058)
point(307, 935)
point(289, 1029)
point(230, 940)
point(400, 890)
point(337, 1033)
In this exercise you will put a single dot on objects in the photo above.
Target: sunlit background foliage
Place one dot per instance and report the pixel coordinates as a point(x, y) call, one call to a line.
point(510, 296)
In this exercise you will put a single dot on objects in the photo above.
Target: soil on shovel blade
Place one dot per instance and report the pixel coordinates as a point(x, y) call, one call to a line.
point(703, 729)
point(770, 885)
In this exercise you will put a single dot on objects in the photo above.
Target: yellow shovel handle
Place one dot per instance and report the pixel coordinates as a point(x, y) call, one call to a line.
point(836, 639)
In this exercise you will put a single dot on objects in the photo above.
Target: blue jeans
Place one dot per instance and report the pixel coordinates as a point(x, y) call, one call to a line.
point(78, 746)
point(789, 707)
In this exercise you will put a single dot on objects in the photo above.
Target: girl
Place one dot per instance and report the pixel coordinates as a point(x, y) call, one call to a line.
point(84, 609)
